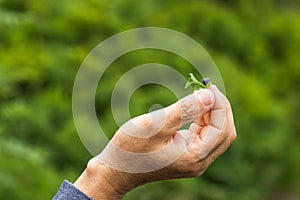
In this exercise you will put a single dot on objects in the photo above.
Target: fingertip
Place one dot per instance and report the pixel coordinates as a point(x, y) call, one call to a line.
point(213, 88)
point(219, 96)
point(195, 128)
point(206, 97)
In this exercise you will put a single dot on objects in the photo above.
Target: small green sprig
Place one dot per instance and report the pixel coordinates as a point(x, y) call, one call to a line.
point(195, 84)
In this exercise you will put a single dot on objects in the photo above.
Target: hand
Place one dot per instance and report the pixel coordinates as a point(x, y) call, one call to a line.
point(151, 147)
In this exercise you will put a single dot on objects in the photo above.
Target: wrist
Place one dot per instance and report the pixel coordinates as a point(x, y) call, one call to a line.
point(101, 182)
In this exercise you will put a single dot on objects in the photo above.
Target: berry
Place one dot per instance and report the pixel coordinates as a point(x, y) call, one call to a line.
point(205, 81)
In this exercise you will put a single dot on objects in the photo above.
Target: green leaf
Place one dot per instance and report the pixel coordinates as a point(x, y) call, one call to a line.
point(194, 83)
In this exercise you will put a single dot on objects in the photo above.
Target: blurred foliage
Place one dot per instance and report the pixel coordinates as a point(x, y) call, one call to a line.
point(256, 45)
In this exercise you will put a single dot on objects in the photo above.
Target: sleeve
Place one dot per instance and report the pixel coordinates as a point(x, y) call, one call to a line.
point(68, 191)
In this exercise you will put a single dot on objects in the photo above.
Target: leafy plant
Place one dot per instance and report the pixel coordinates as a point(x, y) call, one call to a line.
point(195, 84)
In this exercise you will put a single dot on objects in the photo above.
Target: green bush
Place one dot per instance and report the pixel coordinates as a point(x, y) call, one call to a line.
point(255, 44)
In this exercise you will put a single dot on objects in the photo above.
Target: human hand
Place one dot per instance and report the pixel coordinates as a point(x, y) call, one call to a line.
point(151, 147)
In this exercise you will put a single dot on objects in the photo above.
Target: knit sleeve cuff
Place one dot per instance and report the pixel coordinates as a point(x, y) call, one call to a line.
point(68, 191)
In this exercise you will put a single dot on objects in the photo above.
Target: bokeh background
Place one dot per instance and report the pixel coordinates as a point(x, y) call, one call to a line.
point(256, 45)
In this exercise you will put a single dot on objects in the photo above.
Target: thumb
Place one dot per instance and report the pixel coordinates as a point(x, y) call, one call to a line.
point(189, 108)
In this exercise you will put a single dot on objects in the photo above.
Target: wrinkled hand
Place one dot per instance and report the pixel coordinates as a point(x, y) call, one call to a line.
point(151, 147)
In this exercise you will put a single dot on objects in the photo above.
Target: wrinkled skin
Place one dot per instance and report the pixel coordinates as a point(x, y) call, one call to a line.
point(208, 137)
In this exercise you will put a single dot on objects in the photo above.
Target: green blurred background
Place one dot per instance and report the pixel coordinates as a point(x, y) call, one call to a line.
point(256, 45)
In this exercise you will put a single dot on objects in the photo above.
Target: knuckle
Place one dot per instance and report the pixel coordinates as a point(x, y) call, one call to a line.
point(233, 135)
point(174, 117)
point(144, 121)
point(205, 164)
point(187, 106)
point(227, 103)
point(226, 130)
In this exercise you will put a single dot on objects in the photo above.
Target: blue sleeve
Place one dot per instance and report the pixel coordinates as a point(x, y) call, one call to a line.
point(68, 191)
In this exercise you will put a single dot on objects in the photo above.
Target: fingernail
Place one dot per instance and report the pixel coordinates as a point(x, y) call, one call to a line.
point(205, 97)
